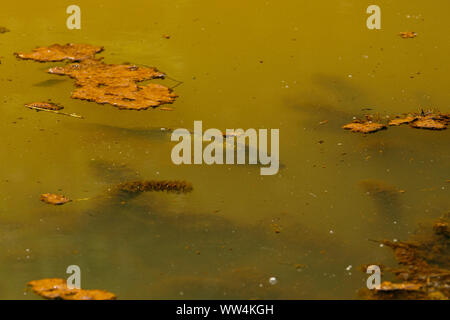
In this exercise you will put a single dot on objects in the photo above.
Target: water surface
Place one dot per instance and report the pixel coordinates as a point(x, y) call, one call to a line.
point(244, 64)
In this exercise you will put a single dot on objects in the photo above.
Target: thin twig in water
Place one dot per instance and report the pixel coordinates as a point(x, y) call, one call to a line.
point(178, 82)
point(74, 115)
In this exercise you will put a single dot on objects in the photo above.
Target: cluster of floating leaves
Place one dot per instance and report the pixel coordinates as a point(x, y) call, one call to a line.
point(425, 120)
point(104, 83)
point(57, 289)
point(424, 267)
point(428, 120)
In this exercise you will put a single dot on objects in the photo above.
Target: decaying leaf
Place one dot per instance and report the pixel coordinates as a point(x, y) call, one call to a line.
point(408, 35)
point(364, 126)
point(57, 289)
point(155, 185)
point(406, 286)
point(57, 52)
point(55, 199)
point(432, 121)
point(44, 105)
point(116, 84)
point(424, 267)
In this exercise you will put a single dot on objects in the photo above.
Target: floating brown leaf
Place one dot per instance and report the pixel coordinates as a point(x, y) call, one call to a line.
point(389, 286)
point(408, 35)
point(116, 84)
point(402, 120)
point(364, 126)
point(55, 199)
point(57, 52)
point(57, 289)
point(432, 121)
point(44, 105)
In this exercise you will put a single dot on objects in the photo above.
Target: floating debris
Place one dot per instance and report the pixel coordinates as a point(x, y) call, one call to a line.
point(379, 187)
point(105, 83)
point(44, 105)
point(424, 267)
point(54, 199)
point(57, 52)
point(155, 185)
point(441, 228)
point(364, 126)
point(4, 30)
point(51, 107)
point(408, 35)
point(56, 289)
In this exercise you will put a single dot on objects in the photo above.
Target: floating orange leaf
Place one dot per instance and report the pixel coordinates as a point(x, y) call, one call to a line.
point(55, 199)
point(57, 289)
point(57, 52)
point(402, 120)
point(365, 126)
point(116, 84)
point(432, 121)
point(408, 35)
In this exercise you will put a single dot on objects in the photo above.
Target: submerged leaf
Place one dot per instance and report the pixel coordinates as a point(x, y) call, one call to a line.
point(424, 267)
point(154, 185)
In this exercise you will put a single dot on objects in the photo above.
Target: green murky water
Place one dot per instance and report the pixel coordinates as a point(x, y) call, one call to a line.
point(253, 64)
